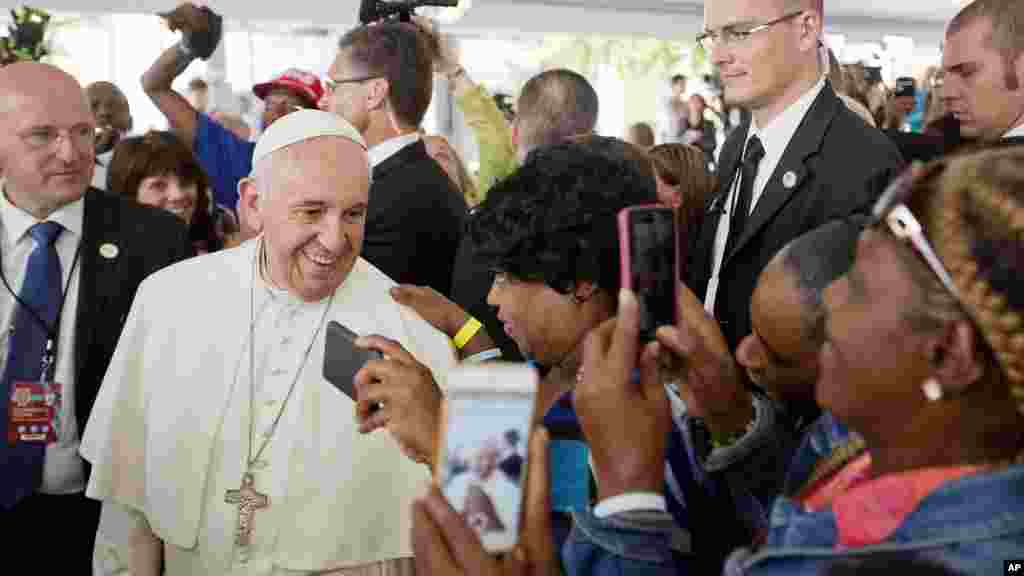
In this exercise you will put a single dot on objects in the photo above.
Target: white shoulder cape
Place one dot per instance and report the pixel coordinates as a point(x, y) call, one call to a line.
point(151, 432)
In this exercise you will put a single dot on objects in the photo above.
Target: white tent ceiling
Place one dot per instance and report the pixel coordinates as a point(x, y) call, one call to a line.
point(858, 19)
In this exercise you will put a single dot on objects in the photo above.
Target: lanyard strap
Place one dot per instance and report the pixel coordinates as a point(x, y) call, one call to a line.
point(50, 353)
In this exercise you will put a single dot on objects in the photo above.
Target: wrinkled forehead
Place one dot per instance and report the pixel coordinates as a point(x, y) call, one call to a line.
point(20, 110)
point(720, 13)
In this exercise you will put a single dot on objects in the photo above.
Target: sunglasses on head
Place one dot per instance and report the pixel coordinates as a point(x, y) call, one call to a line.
point(892, 213)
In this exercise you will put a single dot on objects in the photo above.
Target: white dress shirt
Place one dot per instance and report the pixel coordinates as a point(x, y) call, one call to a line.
point(775, 137)
point(99, 174)
point(390, 147)
point(63, 471)
point(1015, 132)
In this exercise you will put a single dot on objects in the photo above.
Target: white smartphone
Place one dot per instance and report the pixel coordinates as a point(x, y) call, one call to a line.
point(482, 456)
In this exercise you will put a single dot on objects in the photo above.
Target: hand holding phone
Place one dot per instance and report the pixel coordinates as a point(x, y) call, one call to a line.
point(398, 393)
point(649, 258)
point(481, 463)
point(343, 359)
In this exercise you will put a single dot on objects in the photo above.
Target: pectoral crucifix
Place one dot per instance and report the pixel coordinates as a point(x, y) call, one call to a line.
point(248, 501)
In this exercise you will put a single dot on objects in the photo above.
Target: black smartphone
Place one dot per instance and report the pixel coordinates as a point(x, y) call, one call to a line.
point(343, 359)
point(649, 259)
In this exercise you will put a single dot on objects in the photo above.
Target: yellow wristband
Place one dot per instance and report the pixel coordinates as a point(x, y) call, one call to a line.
point(466, 333)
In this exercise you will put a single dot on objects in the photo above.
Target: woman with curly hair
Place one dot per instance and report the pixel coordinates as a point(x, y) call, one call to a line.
point(159, 170)
point(549, 231)
point(924, 357)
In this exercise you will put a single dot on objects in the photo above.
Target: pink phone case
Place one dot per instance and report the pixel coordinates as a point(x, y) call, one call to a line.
point(625, 247)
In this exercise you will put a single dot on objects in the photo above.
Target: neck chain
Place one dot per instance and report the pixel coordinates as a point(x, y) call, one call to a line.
point(251, 458)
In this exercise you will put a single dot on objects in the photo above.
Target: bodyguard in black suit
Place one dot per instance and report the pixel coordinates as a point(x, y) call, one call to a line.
point(835, 165)
point(54, 226)
point(809, 159)
point(414, 222)
point(381, 82)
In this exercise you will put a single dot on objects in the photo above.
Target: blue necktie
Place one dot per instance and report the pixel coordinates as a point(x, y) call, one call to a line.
point(22, 464)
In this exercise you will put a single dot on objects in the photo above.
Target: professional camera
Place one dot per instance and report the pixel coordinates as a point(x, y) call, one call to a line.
point(376, 10)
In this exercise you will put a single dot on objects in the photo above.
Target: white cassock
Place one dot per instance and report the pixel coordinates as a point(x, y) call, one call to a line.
point(168, 435)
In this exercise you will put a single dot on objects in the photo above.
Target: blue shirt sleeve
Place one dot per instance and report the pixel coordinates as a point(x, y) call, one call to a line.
point(226, 158)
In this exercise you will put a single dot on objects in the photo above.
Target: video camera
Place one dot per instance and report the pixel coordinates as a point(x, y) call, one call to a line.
point(377, 10)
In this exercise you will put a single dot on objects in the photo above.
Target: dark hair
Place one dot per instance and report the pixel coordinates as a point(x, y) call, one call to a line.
point(817, 259)
point(553, 106)
point(401, 53)
point(554, 219)
point(198, 84)
point(887, 563)
point(159, 154)
point(678, 78)
point(685, 167)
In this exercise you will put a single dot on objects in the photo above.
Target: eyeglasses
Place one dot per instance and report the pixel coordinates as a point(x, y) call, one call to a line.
point(892, 209)
point(46, 137)
point(330, 84)
point(737, 33)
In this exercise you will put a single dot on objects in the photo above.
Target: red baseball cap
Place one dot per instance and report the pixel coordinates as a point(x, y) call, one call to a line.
point(305, 84)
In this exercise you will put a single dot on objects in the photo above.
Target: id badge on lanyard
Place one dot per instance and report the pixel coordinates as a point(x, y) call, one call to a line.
point(36, 408)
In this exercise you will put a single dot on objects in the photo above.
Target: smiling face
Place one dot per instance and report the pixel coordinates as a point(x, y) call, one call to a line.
point(167, 191)
point(978, 82)
point(311, 206)
point(109, 106)
point(763, 70)
point(47, 138)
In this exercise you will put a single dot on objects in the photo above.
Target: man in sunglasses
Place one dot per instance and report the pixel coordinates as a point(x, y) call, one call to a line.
point(983, 63)
point(225, 157)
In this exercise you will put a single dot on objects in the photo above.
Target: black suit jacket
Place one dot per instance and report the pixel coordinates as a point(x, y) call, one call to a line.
point(840, 164)
point(147, 239)
point(414, 221)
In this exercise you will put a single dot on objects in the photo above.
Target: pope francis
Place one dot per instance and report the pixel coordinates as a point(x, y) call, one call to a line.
point(215, 435)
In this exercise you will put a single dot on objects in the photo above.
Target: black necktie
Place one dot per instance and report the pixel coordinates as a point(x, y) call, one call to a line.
point(741, 207)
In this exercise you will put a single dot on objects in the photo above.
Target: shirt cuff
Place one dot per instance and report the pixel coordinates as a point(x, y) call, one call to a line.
point(630, 502)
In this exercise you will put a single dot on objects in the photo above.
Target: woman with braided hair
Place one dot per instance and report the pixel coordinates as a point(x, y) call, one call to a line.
point(924, 357)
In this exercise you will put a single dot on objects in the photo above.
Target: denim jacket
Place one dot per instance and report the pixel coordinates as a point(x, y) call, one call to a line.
point(971, 525)
point(731, 478)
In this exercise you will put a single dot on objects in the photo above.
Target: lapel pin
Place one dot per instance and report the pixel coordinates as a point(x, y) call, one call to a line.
point(789, 180)
point(109, 251)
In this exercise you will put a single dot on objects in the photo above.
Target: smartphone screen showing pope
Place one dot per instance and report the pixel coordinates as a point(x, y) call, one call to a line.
point(482, 460)
point(647, 242)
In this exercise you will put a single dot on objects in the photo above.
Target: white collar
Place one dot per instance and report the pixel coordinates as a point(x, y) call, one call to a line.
point(1018, 131)
point(776, 135)
point(16, 221)
point(390, 147)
